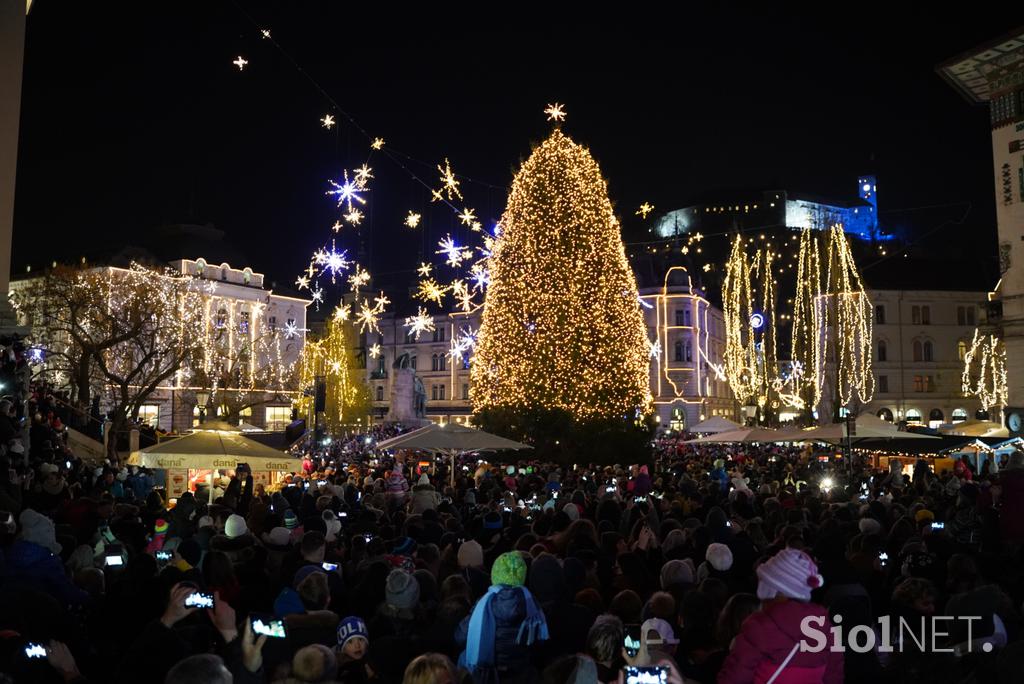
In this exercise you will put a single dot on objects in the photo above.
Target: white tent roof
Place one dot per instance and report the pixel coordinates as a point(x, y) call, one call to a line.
point(715, 424)
point(867, 426)
point(450, 437)
point(214, 449)
point(746, 434)
point(975, 428)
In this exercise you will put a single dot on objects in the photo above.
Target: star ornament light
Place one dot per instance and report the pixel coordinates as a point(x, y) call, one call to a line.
point(449, 183)
point(240, 62)
point(467, 217)
point(424, 269)
point(354, 217)
point(327, 121)
point(377, 144)
point(375, 351)
point(412, 220)
point(420, 323)
point(347, 192)
point(645, 209)
point(555, 112)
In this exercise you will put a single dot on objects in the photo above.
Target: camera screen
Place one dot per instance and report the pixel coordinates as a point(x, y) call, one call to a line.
point(163, 555)
point(198, 599)
point(631, 642)
point(646, 675)
point(35, 651)
point(329, 567)
point(114, 560)
point(272, 628)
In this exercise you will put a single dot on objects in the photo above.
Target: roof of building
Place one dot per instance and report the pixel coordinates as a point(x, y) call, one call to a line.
point(990, 67)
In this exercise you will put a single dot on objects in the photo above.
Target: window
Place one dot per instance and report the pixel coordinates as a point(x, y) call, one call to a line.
point(380, 392)
point(149, 414)
point(433, 392)
point(686, 317)
point(913, 416)
point(883, 384)
point(439, 334)
point(412, 362)
point(928, 351)
point(246, 275)
point(272, 323)
point(200, 266)
point(929, 384)
point(679, 350)
point(970, 315)
point(961, 315)
point(380, 365)
point(959, 415)
point(465, 390)
point(919, 383)
point(926, 317)
point(915, 315)
point(961, 350)
point(442, 362)
point(680, 316)
point(918, 353)
point(243, 323)
point(882, 351)
point(465, 362)
point(222, 317)
point(410, 338)
point(433, 362)
point(440, 392)
point(880, 314)
point(278, 417)
point(688, 351)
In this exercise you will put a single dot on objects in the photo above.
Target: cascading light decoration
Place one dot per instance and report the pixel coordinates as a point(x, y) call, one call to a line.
point(750, 361)
point(804, 380)
point(332, 357)
point(984, 374)
point(848, 320)
point(562, 326)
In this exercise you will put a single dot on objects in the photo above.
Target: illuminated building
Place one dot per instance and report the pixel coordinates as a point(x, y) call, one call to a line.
point(724, 212)
point(993, 73)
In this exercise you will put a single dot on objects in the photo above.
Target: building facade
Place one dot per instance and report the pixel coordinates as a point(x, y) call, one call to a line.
point(920, 339)
point(993, 73)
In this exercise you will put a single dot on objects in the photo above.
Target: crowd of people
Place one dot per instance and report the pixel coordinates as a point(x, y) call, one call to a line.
point(708, 562)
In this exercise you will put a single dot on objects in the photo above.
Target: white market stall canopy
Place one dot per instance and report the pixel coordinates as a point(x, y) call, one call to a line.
point(451, 437)
point(746, 435)
point(715, 424)
point(865, 426)
point(214, 449)
point(975, 428)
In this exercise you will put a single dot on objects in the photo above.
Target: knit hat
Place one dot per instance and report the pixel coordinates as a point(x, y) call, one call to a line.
point(471, 554)
point(235, 526)
point(47, 468)
point(675, 572)
point(38, 529)
point(509, 570)
point(924, 515)
point(402, 591)
point(205, 521)
point(547, 582)
point(719, 556)
point(352, 627)
point(291, 521)
point(790, 572)
point(404, 547)
point(314, 663)
point(332, 524)
point(278, 536)
point(305, 571)
point(673, 539)
point(869, 526)
point(190, 552)
point(492, 521)
point(160, 527)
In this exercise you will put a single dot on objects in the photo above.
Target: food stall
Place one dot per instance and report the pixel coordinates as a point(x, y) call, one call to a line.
point(206, 454)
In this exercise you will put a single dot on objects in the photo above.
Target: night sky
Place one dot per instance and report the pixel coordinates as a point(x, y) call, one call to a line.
point(134, 118)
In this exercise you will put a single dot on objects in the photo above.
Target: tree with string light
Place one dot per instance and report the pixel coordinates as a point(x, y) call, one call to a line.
point(984, 374)
point(562, 352)
point(334, 358)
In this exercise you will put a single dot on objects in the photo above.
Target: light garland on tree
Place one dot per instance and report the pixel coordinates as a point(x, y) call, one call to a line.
point(849, 319)
point(984, 374)
point(806, 341)
point(331, 359)
point(561, 326)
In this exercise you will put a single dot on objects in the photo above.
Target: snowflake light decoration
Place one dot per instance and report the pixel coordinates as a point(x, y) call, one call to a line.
point(412, 220)
point(374, 351)
point(420, 323)
point(555, 112)
point(240, 62)
point(327, 121)
point(348, 192)
point(449, 183)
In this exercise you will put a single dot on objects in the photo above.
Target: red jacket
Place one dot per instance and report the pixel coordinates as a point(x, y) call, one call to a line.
point(769, 635)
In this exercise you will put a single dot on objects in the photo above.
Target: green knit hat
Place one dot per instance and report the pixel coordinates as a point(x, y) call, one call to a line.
point(509, 569)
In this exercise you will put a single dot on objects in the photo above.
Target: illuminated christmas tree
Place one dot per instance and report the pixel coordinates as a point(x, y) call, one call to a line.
point(562, 332)
point(332, 360)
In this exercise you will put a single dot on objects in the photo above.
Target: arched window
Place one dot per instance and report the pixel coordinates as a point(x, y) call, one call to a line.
point(913, 416)
point(882, 350)
point(959, 414)
point(380, 393)
point(222, 317)
point(688, 351)
point(412, 362)
point(433, 362)
point(200, 266)
point(928, 351)
point(442, 362)
point(885, 414)
point(247, 275)
point(918, 354)
point(961, 350)
point(679, 350)
point(936, 414)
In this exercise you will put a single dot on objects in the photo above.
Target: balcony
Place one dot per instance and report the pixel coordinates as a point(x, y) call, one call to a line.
point(379, 375)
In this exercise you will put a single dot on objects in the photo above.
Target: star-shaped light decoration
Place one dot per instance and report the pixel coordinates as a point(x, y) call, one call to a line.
point(452, 252)
point(463, 295)
point(359, 279)
point(302, 282)
point(449, 183)
point(290, 330)
point(420, 323)
point(381, 301)
point(336, 227)
point(378, 143)
point(374, 351)
point(462, 344)
point(555, 112)
point(655, 349)
point(481, 277)
point(368, 317)
point(412, 220)
point(318, 296)
point(327, 121)
point(467, 217)
point(707, 267)
point(645, 209)
point(424, 269)
point(347, 192)
point(476, 226)
point(430, 291)
point(363, 174)
point(240, 62)
point(697, 237)
point(343, 312)
point(685, 250)
point(266, 33)
point(354, 217)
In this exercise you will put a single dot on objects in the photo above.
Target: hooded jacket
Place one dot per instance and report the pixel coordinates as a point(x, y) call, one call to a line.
point(766, 639)
point(424, 497)
point(35, 567)
point(512, 660)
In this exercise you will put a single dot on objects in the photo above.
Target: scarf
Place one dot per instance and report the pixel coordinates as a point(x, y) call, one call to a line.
point(478, 657)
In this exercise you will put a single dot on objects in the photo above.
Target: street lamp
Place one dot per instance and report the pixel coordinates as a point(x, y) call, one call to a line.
point(202, 397)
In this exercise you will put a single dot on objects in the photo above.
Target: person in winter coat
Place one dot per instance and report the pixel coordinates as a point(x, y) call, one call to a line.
point(236, 541)
point(768, 644)
point(424, 496)
point(1011, 513)
point(397, 486)
point(505, 622)
point(32, 561)
point(568, 622)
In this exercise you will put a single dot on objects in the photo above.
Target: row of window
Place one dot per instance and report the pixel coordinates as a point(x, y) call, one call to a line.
point(410, 338)
point(923, 351)
point(437, 392)
point(438, 362)
point(276, 418)
point(922, 383)
point(922, 315)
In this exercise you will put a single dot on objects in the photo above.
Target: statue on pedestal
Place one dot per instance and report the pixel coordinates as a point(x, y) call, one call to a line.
point(408, 397)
